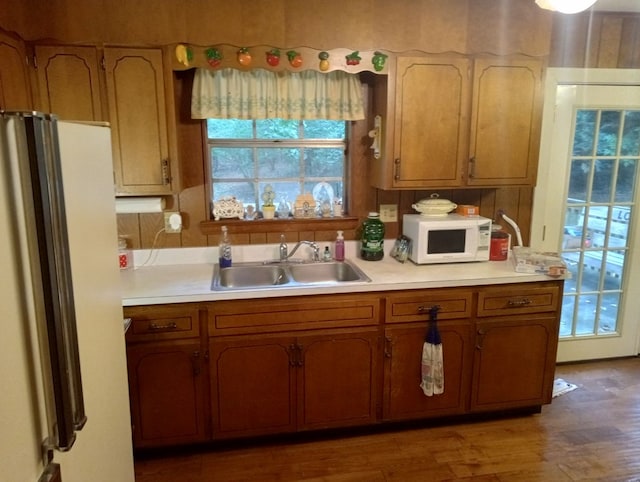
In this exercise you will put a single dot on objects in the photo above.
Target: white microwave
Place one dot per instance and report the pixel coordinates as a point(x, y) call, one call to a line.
point(448, 239)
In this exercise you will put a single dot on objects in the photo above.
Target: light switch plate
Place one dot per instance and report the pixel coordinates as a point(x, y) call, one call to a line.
point(389, 213)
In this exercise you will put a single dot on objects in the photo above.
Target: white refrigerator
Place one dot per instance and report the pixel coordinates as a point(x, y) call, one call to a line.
point(64, 405)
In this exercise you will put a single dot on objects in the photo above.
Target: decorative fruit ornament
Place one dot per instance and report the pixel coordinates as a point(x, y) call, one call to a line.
point(295, 59)
point(378, 60)
point(353, 58)
point(214, 56)
point(184, 54)
point(324, 61)
point(244, 57)
point(273, 57)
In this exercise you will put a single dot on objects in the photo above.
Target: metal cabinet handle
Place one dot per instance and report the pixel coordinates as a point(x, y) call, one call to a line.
point(472, 167)
point(168, 326)
point(388, 347)
point(195, 359)
point(396, 169)
point(166, 175)
point(293, 355)
point(520, 302)
point(300, 357)
point(481, 332)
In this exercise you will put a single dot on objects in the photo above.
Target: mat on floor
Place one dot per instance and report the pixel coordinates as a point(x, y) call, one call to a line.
point(560, 387)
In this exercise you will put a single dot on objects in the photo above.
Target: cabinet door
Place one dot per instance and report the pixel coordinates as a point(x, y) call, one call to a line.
point(253, 386)
point(69, 82)
point(404, 399)
point(431, 122)
point(505, 122)
point(137, 112)
point(166, 384)
point(514, 362)
point(15, 93)
point(337, 379)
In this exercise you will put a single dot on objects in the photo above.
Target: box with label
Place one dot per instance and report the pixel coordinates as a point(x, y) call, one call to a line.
point(468, 210)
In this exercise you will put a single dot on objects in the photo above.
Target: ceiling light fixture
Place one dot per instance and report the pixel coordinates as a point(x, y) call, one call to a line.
point(565, 6)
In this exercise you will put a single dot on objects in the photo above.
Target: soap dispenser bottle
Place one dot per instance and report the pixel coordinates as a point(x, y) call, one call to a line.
point(224, 250)
point(338, 252)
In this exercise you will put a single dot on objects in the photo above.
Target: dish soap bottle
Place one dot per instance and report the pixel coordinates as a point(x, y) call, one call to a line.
point(372, 248)
point(224, 250)
point(338, 251)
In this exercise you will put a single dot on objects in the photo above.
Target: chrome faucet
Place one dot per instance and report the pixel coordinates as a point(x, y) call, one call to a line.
point(285, 255)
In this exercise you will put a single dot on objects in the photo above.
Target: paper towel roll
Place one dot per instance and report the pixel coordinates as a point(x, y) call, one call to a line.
point(127, 205)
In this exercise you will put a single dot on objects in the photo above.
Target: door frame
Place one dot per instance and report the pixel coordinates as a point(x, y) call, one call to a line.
point(547, 240)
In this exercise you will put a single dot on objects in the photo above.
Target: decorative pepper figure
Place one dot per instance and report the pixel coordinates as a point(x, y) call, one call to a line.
point(378, 60)
point(324, 61)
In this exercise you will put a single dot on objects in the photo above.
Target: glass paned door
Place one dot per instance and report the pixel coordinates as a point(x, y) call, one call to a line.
point(598, 209)
point(585, 207)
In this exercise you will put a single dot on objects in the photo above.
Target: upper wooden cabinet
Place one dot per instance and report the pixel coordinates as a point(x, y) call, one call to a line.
point(69, 82)
point(15, 92)
point(124, 86)
point(506, 116)
point(426, 123)
point(137, 112)
point(458, 122)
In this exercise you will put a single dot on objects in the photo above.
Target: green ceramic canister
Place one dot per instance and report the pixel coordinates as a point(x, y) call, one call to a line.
point(372, 246)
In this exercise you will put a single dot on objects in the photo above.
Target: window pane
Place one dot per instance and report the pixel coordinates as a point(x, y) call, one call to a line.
point(232, 163)
point(609, 132)
point(586, 320)
point(579, 180)
point(619, 230)
point(324, 129)
point(229, 129)
point(608, 313)
point(323, 163)
point(278, 162)
point(277, 129)
point(566, 320)
point(631, 134)
point(243, 191)
point(585, 132)
point(626, 181)
point(602, 180)
point(613, 277)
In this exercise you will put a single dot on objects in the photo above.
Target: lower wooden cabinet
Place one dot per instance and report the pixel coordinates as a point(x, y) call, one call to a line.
point(168, 375)
point(278, 384)
point(231, 369)
point(514, 362)
point(404, 399)
point(167, 387)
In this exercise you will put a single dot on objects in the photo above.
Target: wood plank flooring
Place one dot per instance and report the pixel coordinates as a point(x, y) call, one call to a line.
point(589, 434)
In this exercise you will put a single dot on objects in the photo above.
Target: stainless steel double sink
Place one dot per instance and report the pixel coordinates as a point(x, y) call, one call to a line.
point(242, 276)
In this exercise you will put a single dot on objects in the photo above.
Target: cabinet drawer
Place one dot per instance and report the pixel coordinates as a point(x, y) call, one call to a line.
point(415, 305)
point(296, 313)
point(162, 323)
point(519, 299)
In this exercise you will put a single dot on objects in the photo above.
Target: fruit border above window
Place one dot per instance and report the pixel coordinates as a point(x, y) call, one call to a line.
point(187, 56)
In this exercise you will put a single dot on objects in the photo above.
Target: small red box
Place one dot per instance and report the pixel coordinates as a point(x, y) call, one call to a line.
point(468, 210)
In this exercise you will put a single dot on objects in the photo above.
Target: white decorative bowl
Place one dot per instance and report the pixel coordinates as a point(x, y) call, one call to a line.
point(434, 206)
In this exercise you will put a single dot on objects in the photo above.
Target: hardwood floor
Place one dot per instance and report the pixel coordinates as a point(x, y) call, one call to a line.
point(589, 434)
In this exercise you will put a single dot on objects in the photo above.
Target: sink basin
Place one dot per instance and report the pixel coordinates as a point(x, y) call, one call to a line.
point(250, 276)
point(283, 275)
point(324, 273)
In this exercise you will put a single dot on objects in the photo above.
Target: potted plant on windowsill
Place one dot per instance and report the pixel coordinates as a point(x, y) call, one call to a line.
point(268, 208)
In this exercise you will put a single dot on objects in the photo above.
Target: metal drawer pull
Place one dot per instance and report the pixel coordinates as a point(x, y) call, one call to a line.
point(168, 326)
point(522, 302)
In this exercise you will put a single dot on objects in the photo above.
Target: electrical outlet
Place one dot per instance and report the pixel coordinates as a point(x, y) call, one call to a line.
point(172, 222)
point(389, 213)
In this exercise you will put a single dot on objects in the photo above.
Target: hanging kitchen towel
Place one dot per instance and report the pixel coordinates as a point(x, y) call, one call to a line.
point(432, 367)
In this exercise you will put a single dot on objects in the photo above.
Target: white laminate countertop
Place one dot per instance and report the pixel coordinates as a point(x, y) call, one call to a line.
point(185, 275)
